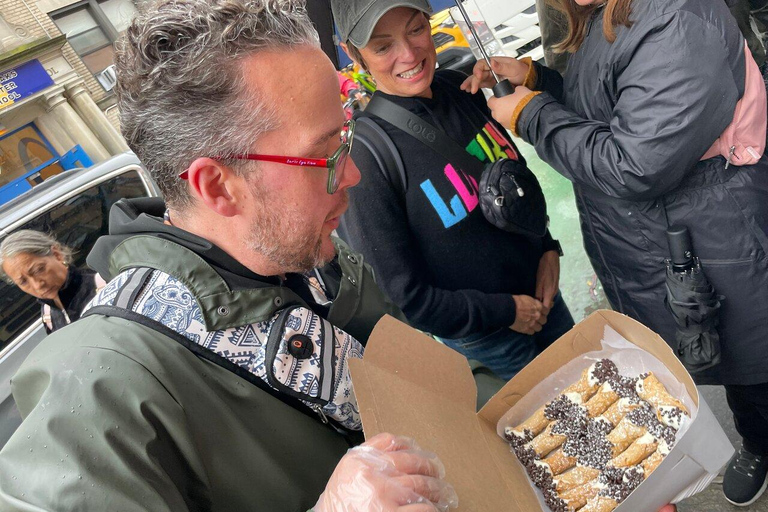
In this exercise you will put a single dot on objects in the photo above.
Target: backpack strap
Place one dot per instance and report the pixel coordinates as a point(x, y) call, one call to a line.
point(380, 145)
point(123, 308)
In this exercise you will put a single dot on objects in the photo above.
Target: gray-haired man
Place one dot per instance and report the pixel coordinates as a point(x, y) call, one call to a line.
point(210, 373)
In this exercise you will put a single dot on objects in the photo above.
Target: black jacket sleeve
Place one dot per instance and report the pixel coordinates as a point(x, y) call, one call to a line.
point(675, 96)
point(376, 225)
point(548, 80)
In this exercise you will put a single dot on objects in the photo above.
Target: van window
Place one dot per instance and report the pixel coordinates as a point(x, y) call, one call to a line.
point(77, 223)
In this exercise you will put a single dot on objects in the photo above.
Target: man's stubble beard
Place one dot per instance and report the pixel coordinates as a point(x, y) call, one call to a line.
point(284, 239)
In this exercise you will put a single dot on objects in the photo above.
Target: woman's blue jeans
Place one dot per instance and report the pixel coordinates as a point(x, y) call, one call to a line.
point(505, 351)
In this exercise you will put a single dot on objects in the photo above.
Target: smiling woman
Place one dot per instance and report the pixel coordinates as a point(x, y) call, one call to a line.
point(40, 266)
point(400, 53)
point(489, 294)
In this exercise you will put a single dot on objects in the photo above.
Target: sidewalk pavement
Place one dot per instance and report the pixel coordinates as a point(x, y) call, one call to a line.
point(711, 499)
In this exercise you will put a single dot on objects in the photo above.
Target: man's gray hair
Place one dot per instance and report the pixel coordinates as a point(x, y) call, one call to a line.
point(180, 90)
point(29, 241)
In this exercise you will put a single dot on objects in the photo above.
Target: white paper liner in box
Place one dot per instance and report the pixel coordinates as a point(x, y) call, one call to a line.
point(631, 362)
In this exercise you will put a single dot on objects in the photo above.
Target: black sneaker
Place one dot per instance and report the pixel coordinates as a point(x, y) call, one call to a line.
point(746, 478)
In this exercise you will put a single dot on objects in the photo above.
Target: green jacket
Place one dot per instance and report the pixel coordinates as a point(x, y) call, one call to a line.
point(118, 417)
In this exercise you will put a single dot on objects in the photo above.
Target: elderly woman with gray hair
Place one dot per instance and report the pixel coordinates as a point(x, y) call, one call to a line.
point(41, 267)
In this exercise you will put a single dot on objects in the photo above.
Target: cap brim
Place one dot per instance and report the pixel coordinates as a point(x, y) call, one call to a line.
point(361, 33)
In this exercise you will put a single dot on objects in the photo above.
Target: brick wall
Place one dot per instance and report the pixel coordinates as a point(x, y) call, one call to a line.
point(37, 24)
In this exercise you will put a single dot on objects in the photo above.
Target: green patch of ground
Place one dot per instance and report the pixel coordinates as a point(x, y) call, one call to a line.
point(581, 290)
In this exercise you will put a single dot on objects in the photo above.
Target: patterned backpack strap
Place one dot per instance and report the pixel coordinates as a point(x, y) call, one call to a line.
point(123, 303)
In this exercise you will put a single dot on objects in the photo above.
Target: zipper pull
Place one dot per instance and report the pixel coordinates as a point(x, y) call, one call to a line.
point(319, 410)
point(520, 191)
point(730, 155)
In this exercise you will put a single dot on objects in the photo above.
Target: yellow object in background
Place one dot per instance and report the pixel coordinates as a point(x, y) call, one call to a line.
point(445, 32)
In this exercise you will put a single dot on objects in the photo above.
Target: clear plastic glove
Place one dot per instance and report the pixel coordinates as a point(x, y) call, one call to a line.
point(388, 474)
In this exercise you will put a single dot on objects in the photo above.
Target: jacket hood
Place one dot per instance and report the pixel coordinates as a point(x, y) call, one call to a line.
point(144, 216)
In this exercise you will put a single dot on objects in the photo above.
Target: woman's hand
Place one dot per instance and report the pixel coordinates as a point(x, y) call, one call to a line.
point(530, 314)
point(503, 108)
point(668, 508)
point(548, 278)
point(504, 67)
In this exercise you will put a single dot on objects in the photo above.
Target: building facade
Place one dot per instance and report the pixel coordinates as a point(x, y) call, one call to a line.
point(57, 108)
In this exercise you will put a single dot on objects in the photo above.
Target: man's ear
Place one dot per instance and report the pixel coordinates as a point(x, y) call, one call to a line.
point(215, 185)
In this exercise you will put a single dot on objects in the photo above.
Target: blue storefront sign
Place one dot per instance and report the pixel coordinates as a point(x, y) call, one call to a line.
point(22, 81)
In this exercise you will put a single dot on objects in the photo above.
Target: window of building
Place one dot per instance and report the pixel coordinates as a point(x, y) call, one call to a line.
point(23, 151)
point(92, 26)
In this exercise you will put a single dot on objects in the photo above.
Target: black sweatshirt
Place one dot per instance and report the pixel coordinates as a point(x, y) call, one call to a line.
point(451, 272)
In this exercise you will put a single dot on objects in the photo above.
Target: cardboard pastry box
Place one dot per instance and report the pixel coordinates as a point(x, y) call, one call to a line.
point(409, 384)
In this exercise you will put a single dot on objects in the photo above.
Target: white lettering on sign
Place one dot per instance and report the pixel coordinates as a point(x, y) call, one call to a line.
point(9, 86)
point(10, 75)
point(10, 98)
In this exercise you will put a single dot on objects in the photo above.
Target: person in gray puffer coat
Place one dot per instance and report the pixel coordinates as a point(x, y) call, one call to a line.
point(644, 97)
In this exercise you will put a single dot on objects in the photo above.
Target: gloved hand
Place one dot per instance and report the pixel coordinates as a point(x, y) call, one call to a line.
point(387, 474)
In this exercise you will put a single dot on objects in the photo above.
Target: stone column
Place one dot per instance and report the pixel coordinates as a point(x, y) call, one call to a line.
point(55, 133)
point(74, 124)
point(95, 118)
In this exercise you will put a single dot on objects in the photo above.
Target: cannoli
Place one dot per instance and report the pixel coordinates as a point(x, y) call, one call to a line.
point(635, 437)
point(624, 434)
point(637, 451)
point(576, 477)
point(559, 462)
point(618, 410)
point(651, 463)
point(547, 441)
point(600, 504)
point(602, 400)
point(542, 478)
point(614, 388)
point(616, 482)
point(669, 409)
point(579, 496)
point(615, 485)
point(585, 387)
point(565, 408)
point(619, 439)
point(587, 445)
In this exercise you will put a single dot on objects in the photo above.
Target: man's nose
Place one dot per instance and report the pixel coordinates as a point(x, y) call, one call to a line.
point(350, 176)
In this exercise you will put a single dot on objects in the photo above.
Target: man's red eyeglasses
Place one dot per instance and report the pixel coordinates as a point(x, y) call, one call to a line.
point(335, 163)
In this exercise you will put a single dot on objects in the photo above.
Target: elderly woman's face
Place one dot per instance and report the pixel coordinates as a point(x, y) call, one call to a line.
point(400, 54)
point(39, 276)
